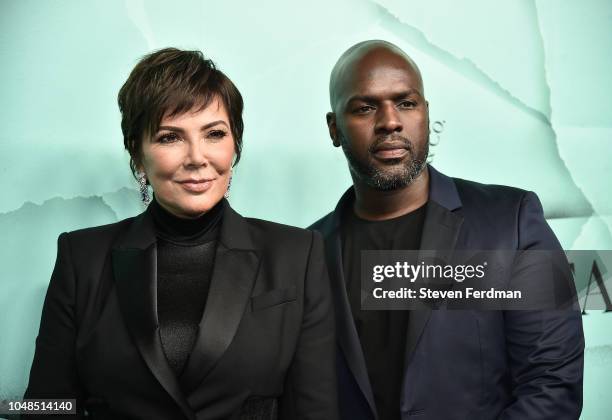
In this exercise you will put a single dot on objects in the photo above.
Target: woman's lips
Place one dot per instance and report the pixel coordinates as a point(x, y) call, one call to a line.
point(197, 186)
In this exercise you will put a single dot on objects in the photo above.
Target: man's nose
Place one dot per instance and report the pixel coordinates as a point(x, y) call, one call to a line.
point(388, 120)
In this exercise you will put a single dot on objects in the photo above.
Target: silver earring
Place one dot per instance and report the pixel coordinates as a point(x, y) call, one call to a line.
point(144, 189)
point(229, 184)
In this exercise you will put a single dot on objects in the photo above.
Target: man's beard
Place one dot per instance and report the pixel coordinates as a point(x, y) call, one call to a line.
point(387, 178)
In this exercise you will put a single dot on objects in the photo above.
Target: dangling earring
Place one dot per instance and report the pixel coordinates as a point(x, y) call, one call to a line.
point(144, 190)
point(229, 184)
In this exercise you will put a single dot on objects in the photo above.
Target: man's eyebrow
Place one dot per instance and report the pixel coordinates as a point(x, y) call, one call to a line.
point(204, 127)
point(362, 98)
point(408, 93)
point(397, 96)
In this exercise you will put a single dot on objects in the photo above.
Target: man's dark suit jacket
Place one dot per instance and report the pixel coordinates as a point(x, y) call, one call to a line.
point(463, 364)
point(265, 344)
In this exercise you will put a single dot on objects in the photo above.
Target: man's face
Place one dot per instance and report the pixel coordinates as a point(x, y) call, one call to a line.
point(382, 121)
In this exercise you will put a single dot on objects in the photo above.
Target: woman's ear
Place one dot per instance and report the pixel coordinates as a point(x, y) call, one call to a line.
point(138, 166)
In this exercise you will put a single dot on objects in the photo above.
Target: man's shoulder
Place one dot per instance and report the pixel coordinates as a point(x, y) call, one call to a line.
point(474, 193)
point(498, 208)
point(499, 211)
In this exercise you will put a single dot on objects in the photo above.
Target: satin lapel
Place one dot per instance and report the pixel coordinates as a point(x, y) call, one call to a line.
point(134, 268)
point(234, 273)
point(440, 233)
point(346, 332)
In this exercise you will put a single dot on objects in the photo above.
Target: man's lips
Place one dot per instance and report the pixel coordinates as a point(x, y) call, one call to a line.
point(390, 151)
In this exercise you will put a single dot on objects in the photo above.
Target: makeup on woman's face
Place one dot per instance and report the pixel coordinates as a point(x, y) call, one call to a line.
point(188, 160)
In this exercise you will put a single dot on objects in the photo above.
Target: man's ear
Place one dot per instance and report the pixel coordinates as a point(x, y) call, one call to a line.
point(333, 129)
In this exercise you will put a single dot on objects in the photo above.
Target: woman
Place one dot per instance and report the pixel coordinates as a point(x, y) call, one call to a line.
point(188, 310)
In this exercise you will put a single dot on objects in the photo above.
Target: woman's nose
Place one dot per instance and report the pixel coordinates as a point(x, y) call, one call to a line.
point(195, 154)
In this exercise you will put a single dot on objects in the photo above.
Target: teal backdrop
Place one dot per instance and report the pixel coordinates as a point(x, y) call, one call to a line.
point(519, 93)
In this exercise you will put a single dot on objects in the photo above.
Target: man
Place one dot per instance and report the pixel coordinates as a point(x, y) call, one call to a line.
point(432, 364)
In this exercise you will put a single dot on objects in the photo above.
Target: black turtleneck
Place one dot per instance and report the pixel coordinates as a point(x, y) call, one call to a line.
point(185, 259)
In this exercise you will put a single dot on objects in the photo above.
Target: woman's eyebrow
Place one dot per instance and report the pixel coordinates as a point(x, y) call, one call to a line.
point(212, 124)
point(204, 127)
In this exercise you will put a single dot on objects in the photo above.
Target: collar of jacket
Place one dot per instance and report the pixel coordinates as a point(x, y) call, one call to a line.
point(233, 233)
point(134, 259)
point(442, 190)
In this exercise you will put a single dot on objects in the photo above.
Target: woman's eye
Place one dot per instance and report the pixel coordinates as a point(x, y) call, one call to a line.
point(167, 138)
point(217, 134)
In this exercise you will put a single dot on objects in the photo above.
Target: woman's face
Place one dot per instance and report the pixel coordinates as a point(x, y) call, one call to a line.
point(188, 161)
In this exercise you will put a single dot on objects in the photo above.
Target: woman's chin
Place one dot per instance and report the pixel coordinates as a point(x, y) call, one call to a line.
point(188, 206)
point(195, 208)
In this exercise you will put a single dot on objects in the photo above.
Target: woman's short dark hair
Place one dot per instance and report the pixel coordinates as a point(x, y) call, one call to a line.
point(170, 82)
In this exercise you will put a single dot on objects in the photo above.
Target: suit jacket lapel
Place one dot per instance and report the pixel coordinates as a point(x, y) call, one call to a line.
point(347, 337)
point(234, 273)
point(134, 260)
point(440, 233)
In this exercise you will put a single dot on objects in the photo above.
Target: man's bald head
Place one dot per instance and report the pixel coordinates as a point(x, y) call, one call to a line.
point(365, 56)
point(380, 116)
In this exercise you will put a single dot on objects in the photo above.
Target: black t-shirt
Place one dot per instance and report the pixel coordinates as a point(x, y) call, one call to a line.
point(382, 333)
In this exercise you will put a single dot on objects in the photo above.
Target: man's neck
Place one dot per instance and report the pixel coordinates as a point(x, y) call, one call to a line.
point(373, 204)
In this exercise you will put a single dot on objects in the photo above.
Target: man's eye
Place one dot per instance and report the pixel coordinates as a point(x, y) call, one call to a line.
point(168, 138)
point(407, 104)
point(363, 109)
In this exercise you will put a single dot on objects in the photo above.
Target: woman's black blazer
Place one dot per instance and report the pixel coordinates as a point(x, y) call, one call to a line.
point(265, 347)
